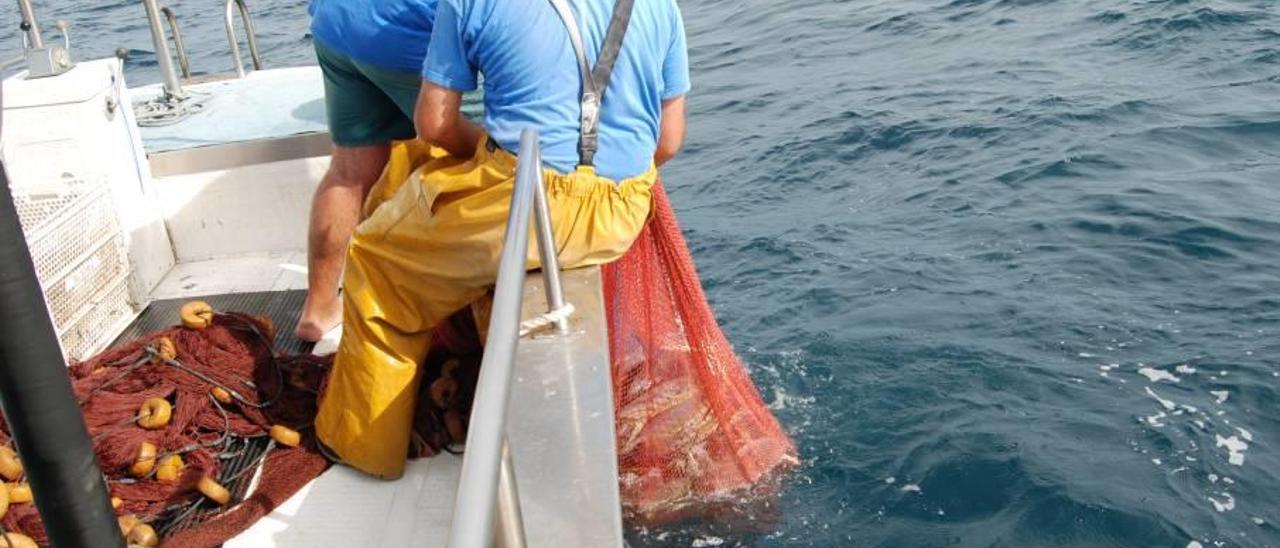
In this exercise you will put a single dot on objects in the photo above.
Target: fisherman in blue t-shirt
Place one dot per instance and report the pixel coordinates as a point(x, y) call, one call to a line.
point(603, 83)
point(371, 53)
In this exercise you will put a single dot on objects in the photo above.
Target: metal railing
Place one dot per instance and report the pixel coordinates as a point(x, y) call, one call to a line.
point(30, 27)
point(250, 36)
point(172, 87)
point(183, 63)
point(488, 484)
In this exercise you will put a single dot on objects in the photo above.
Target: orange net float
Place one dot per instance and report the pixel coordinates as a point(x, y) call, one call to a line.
point(444, 392)
point(4, 501)
point(146, 460)
point(10, 466)
point(20, 493)
point(18, 540)
point(219, 393)
point(285, 436)
point(142, 535)
point(213, 490)
point(127, 522)
point(155, 413)
point(163, 350)
point(170, 469)
point(196, 315)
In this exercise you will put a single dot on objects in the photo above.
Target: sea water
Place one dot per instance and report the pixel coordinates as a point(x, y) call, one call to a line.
point(1007, 270)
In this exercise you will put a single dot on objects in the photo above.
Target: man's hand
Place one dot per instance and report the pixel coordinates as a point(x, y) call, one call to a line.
point(670, 130)
point(440, 122)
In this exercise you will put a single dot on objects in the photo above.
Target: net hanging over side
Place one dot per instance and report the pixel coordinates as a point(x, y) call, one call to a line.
point(692, 428)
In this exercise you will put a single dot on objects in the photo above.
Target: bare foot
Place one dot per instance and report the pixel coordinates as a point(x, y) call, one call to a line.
point(318, 319)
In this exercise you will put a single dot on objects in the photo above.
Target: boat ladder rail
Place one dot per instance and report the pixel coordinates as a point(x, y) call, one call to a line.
point(251, 37)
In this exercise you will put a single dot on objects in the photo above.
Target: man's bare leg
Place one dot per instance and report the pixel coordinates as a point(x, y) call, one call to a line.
point(335, 211)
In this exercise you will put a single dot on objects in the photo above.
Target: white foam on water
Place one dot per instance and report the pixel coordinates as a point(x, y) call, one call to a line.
point(1194, 544)
point(1109, 366)
point(889, 480)
point(1258, 521)
point(1086, 355)
point(783, 400)
point(1226, 505)
point(1157, 375)
point(1168, 404)
point(1245, 434)
point(1235, 448)
point(1154, 420)
point(706, 541)
point(1222, 396)
point(1155, 462)
point(1228, 481)
point(1185, 369)
point(1199, 423)
point(910, 488)
point(1213, 478)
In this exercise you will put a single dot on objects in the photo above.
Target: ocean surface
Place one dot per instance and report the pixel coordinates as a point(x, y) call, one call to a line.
point(1007, 270)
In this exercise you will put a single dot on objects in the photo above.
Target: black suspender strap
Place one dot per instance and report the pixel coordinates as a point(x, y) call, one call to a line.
point(594, 81)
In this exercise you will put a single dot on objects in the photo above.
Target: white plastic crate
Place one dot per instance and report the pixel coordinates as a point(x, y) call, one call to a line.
point(80, 258)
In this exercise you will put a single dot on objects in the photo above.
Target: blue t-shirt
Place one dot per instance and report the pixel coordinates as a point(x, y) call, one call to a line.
point(388, 34)
point(531, 76)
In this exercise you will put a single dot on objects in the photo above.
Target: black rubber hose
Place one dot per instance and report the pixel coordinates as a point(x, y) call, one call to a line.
point(39, 405)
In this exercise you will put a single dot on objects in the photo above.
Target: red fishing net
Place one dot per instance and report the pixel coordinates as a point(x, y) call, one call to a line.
point(692, 428)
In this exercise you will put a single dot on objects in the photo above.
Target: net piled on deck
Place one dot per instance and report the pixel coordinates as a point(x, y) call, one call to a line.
point(692, 429)
point(235, 355)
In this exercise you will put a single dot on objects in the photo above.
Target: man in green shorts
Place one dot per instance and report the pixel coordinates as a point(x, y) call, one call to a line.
point(371, 54)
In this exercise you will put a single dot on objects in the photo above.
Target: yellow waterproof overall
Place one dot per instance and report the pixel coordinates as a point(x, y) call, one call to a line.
point(429, 247)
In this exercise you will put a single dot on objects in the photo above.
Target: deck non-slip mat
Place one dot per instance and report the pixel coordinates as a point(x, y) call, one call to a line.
point(283, 307)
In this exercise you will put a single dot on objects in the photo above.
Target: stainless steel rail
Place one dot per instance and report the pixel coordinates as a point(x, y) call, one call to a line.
point(172, 87)
point(183, 63)
point(251, 37)
point(487, 484)
point(30, 26)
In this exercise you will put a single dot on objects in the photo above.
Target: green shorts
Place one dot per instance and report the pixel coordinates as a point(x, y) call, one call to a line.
point(366, 105)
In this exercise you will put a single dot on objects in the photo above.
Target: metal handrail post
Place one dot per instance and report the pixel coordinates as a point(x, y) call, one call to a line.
point(547, 247)
point(250, 36)
point(183, 63)
point(32, 28)
point(473, 513)
point(510, 522)
point(172, 87)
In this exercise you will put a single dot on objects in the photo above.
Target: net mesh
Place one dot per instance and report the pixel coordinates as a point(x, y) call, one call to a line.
point(692, 429)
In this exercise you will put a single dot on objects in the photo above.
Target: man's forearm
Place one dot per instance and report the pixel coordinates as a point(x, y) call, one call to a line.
point(459, 138)
point(440, 121)
point(671, 130)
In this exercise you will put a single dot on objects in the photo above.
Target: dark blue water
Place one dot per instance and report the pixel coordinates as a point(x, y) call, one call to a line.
point(948, 236)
